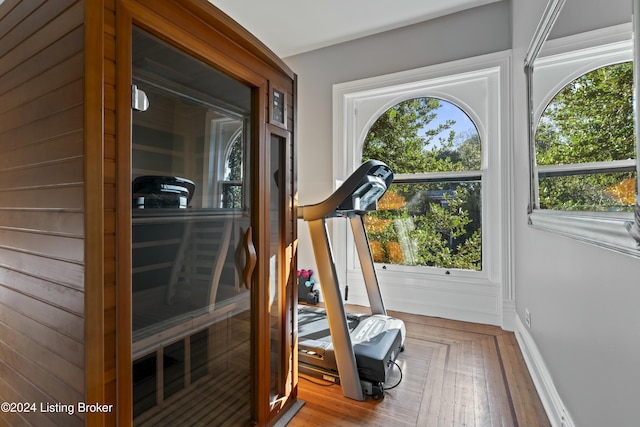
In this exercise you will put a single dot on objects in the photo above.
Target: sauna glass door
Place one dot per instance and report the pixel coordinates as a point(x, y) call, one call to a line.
point(281, 274)
point(191, 240)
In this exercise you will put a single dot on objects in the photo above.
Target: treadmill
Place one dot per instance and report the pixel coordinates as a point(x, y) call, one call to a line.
point(354, 350)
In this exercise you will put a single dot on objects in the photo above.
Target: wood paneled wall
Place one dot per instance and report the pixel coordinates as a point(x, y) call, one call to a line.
point(110, 314)
point(42, 203)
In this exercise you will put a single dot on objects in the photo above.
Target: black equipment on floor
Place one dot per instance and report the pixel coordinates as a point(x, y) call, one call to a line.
point(355, 350)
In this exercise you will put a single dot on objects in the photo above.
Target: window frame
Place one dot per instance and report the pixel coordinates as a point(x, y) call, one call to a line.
point(466, 175)
point(561, 61)
point(227, 149)
point(224, 133)
point(479, 86)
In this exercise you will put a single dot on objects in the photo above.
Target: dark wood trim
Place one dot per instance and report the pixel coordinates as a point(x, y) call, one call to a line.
point(294, 261)
point(109, 175)
point(193, 36)
point(259, 294)
point(94, 208)
point(288, 278)
point(215, 18)
point(124, 368)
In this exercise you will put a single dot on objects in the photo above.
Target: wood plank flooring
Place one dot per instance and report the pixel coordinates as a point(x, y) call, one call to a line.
point(222, 397)
point(454, 374)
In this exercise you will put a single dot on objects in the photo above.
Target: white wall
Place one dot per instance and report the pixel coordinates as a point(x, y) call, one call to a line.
point(585, 321)
point(466, 34)
point(584, 300)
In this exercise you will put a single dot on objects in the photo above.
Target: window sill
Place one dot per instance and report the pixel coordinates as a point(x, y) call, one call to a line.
point(604, 229)
point(434, 272)
point(418, 277)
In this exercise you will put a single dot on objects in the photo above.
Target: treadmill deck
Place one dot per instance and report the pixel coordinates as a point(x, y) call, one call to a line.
point(376, 339)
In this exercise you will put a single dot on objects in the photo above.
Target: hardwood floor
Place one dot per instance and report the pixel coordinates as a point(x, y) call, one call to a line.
point(454, 374)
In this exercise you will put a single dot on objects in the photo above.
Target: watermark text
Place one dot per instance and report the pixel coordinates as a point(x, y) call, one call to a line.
point(55, 408)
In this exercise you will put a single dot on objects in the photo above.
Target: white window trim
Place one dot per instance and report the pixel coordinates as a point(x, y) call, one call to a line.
point(223, 132)
point(481, 87)
point(560, 62)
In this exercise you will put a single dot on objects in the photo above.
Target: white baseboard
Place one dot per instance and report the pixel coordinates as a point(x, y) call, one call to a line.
point(553, 405)
point(508, 315)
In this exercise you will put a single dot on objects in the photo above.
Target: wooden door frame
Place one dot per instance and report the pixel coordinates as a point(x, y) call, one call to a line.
point(94, 135)
point(198, 37)
point(288, 276)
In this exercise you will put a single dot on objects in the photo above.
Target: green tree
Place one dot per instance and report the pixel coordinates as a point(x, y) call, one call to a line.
point(232, 192)
point(396, 137)
point(434, 224)
point(589, 120)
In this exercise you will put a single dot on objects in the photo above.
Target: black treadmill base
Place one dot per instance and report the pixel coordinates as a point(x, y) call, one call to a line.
point(377, 340)
point(373, 389)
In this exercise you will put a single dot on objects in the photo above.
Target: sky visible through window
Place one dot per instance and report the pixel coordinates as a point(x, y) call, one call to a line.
point(463, 125)
point(426, 220)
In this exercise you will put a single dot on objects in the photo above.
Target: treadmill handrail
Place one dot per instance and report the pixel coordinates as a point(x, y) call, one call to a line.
point(355, 197)
point(373, 177)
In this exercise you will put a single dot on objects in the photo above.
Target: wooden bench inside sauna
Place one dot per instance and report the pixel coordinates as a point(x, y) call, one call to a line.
point(185, 293)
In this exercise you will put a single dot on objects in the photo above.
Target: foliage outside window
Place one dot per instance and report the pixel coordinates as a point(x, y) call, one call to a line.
point(232, 183)
point(431, 215)
point(585, 144)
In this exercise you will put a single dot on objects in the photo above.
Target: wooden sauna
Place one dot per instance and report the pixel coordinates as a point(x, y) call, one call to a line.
point(147, 216)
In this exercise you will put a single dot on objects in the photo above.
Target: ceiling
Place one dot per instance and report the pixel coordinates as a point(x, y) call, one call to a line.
point(290, 27)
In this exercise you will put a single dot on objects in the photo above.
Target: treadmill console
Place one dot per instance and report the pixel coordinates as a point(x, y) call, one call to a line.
point(357, 352)
point(358, 195)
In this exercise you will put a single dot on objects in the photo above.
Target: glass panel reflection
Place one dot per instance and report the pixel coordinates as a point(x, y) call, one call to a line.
point(589, 192)
point(275, 268)
point(191, 314)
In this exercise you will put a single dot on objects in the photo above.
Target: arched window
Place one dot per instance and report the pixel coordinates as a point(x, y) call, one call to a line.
point(585, 145)
point(231, 185)
point(463, 187)
point(431, 215)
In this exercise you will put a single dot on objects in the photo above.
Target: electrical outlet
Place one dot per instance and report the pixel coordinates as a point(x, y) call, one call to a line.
point(527, 317)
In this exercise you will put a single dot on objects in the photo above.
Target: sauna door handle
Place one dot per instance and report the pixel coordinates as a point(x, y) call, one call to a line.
point(250, 258)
